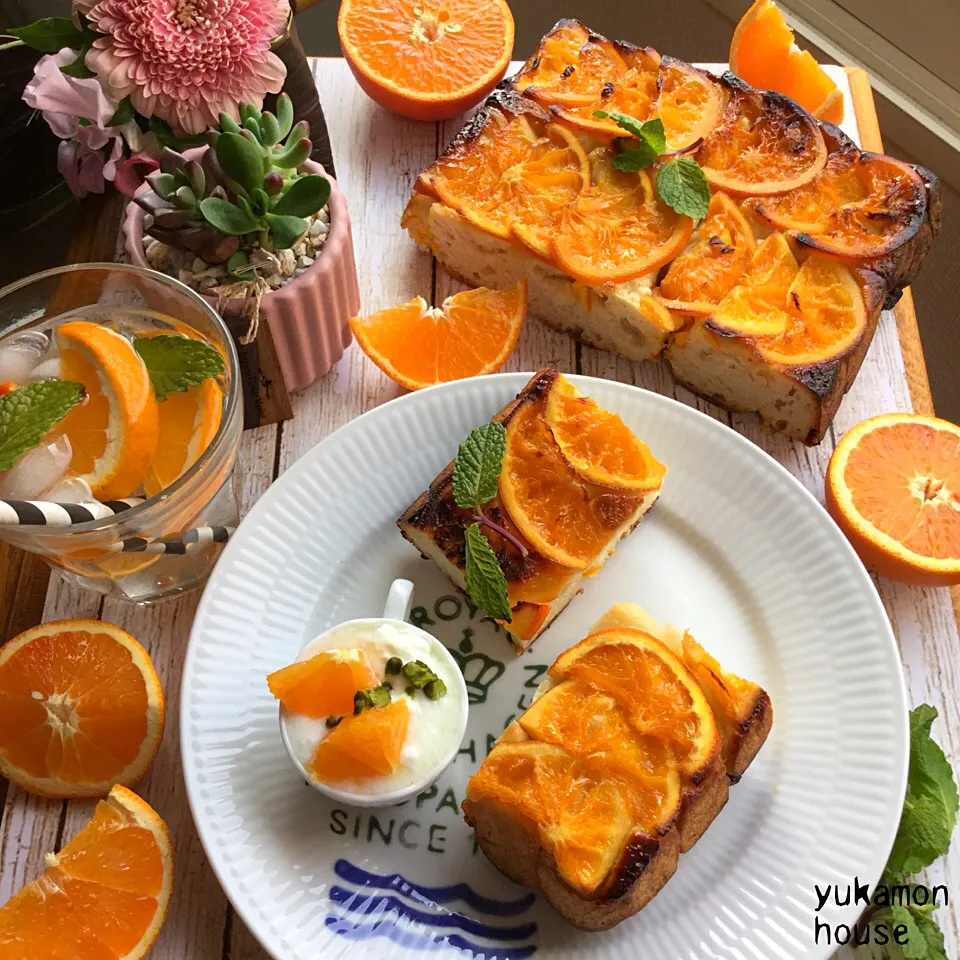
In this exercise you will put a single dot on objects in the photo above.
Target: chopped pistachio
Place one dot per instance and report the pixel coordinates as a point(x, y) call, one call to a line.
point(380, 696)
point(418, 673)
point(361, 700)
point(411, 691)
point(435, 689)
point(394, 666)
point(333, 721)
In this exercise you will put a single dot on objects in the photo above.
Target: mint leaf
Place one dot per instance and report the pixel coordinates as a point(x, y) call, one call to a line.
point(177, 363)
point(477, 467)
point(683, 186)
point(933, 936)
point(486, 583)
point(28, 412)
point(650, 132)
point(632, 161)
point(924, 939)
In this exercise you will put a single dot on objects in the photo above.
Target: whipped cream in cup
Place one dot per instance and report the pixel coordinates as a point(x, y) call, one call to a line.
point(436, 727)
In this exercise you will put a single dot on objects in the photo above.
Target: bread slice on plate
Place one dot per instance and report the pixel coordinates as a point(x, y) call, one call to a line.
point(562, 509)
point(621, 763)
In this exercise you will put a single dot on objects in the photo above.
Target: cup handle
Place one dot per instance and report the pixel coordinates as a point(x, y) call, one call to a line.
point(399, 599)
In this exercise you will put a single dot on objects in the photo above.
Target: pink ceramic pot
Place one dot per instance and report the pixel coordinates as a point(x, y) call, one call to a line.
point(309, 316)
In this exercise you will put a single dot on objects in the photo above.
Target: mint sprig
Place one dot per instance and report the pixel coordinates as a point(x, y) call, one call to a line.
point(926, 826)
point(681, 184)
point(177, 363)
point(28, 412)
point(476, 472)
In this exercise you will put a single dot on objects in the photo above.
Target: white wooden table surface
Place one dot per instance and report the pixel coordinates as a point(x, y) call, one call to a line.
point(377, 158)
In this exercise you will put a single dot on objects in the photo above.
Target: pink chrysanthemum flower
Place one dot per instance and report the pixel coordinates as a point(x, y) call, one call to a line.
point(188, 61)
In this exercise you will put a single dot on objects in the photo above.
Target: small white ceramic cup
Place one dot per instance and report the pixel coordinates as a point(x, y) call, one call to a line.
point(395, 612)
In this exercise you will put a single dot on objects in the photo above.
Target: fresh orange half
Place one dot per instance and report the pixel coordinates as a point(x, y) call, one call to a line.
point(764, 54)
point(560, 514)
point(104, 896)
point(188, 422)
point(363, 746)
point(860, 205)
point(81, 709)
point(765, 144)
point(323, 685)
point(619, 229)
point(713, 263)
point(893, 487)
point(426, 59)
point(471, 333)
point(115, 432)
point(598, 444)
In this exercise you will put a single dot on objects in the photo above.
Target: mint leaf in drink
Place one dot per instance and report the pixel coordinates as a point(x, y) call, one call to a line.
point(683, 186)
point(28, 412)
point(477, 467)
point(486, 583)
point(177, 363)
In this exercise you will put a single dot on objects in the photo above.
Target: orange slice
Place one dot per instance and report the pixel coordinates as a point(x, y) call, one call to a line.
point(81, 709)
point(429, 60)
point(471, 333)
point(104, 896)
point(325, 684)
point(619, 228)
point(690, 103)
point(763, 53)
point(893, 487)
point(860, 205)
point(363, 746)
point(114, 434)
point(598, 444)
point(658, 693)
point(711, 266)
point(555, 509)
point(765, 144)
point(188, 422)
point(582, 818)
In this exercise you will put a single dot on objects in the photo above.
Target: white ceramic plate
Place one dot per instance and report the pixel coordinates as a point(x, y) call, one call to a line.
point(736, 550)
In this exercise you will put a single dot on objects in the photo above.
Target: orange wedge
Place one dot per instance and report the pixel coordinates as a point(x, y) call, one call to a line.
point(598, 444)
point(763, 53)
point(426, 60)
point(713, 263)
point(114, 434)
point(471, 333)
point(325, 684)
point(104, 896)
point(363, 746)
point(81, 709)
point(188, 422)
point(893, 487)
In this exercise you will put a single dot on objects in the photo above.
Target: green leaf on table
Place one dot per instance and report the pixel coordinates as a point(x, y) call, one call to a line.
point(27, 413)
point(241, 160)
point(177, 363)
point(49, 34)
point(306, 196)
point(477, 467)
point(286, 230)
point(683, 186)
point(124, 113)
point(923, 939)
point(486, 583)
point(228, 218)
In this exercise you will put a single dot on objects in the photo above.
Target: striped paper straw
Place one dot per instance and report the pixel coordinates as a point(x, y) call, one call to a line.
point(196, 536)
point(43, 513)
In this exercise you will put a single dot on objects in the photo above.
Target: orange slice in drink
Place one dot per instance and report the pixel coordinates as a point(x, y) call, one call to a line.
point(558, 513)
point(711, 266)
point(893, 487)
point(470, 334)
point(426, 61)
point(188, 422)
point(114, 434)
point(104, 896)
point(619, 229)
point(598, 444)
point(690, 103)
point(860, 205)
point(363, 746)
point(325, 684)
point(765, 144)
point(81, 709)
point(764, 54)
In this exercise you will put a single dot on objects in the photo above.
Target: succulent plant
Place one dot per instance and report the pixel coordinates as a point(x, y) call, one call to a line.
point(246, 185)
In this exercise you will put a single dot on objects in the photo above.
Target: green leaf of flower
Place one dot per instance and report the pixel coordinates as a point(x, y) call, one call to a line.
point(286, 230)
point(683, 186)
point(78, 68)
point(477, 467)
point(486, 583)
point(226, 217)
point(305, 197)
point(124, 113)
point(177, 363)
point(27, 413)
point(49, 34)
